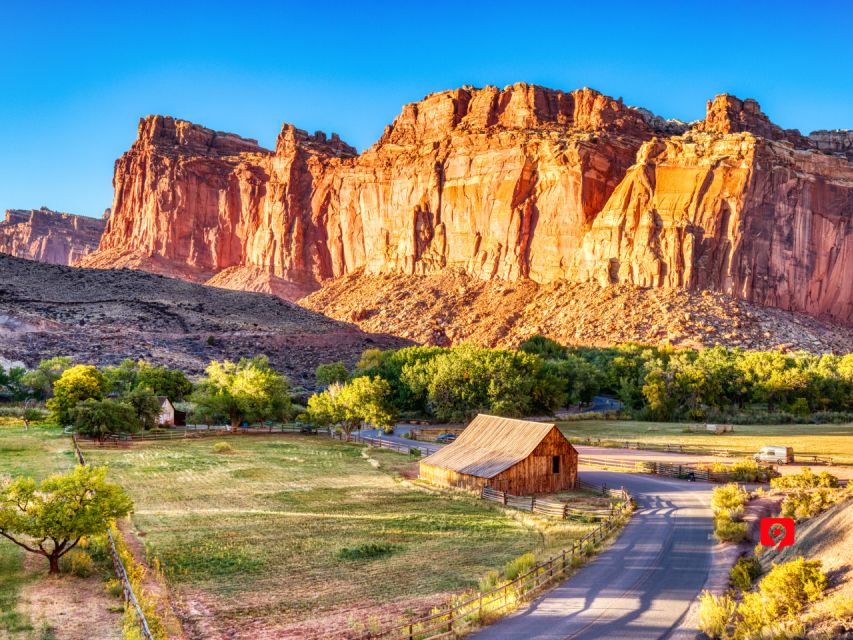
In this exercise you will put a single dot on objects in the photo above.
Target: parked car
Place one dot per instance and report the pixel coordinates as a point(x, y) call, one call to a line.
point(777, 455)
point(446, 438)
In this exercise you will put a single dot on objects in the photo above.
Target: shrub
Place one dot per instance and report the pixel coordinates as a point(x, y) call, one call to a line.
point(789, 586)
point(489, 581)
point(716, 615)
point(747, 470)
point(728, 530)
point(744, 573)
point(522, 564)
point(729, 500)
point(77, 563)
point(223, 447)
point(806, 479)
point(803, 504)
point(366, 551)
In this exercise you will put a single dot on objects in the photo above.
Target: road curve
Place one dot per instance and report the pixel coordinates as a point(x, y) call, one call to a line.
point(642, 586)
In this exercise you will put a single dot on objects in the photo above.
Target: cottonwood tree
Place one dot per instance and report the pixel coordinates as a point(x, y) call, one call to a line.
point(248, 390)
point(40, 380)
point(76, 384)
point(327, 374)
point(100, 418)
point(50, 518)
point(349, 406)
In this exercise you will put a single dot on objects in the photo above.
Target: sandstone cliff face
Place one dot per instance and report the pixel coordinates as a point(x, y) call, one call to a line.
point(49, 236)
point(519, 183)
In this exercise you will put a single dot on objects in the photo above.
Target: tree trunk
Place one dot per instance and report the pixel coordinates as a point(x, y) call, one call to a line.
point(54, 564)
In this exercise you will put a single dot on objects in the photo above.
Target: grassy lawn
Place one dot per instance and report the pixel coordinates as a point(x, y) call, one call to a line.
point(280, 531)
point(815, 439)
point(37, 453)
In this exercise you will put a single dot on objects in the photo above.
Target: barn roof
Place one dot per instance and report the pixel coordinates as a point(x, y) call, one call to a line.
point(490, 445)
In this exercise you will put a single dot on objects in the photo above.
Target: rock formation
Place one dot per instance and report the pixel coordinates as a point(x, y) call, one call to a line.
point(512, 184)
point(49, 236)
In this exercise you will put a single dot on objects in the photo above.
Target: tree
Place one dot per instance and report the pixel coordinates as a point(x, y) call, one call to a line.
point(12, 384)
point(100, 418)
point(41, 379)
point(327, 374)
point(161, 381)
point(543, 347)
point(52, 517)
point(248, 390)
point(349, 406)
point(76, 384)
point(146, 407)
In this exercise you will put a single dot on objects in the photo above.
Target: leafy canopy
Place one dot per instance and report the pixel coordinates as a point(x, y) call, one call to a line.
point(76, 384)
point(51, 517)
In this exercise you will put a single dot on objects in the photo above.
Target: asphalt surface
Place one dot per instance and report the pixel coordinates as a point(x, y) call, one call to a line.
point(639, 588)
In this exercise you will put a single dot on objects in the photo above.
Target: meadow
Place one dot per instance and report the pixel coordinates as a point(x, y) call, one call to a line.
point(302, 536)
point(832, 440)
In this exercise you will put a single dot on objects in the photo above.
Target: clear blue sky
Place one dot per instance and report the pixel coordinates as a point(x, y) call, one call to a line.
point(76, 77)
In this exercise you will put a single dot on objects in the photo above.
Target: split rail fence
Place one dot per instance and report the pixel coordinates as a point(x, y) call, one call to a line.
point(669, 469)
point(455, 620)
point(118, 566)
point(551, 507)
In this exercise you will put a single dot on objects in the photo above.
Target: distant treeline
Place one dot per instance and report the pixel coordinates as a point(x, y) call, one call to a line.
point(654, 383)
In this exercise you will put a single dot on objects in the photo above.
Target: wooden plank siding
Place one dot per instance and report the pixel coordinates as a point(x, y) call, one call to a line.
point(531, 474)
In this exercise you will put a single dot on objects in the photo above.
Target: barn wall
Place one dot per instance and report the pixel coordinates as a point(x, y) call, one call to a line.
point(449, 478)
point(534, 473)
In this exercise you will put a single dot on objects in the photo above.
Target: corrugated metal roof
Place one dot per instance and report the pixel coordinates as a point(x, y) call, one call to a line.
point(490, 445)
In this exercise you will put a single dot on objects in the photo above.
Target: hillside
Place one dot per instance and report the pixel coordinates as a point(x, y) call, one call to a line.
point(449, 308)
point(101, 317)
point(520, 184)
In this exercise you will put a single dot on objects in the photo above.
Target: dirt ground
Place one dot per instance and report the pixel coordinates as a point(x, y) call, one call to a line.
point(74, 608)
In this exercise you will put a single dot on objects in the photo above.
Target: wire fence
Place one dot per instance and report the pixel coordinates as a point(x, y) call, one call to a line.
point(118, 566)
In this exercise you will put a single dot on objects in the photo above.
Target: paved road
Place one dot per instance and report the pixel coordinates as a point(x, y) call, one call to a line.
point(642, 586)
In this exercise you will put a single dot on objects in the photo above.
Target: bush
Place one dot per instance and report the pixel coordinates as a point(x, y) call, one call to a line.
point(803, 504)
point(519, 566)
point(747, 470)
point(223, 447)
point(77, 563)
point(789, 586)
point(806, 479)
point(744, 573)
point(366, 551)
point(728, 530)
point(716, 614)
point(489, 581)
point(728, 500)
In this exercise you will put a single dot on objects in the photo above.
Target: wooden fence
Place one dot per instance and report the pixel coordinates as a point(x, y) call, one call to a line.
point(687, 448)
point(547, 507)
point(669, 469)
point(457, 619)
point(379, 441)
point(118, 566)
point(196, 431)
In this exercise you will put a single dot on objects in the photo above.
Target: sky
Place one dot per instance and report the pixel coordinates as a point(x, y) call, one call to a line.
point(75, 77)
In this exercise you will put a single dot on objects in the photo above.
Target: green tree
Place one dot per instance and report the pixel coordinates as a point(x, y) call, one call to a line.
point(349, 406)
point(162, 381)
point(12, 385)
point(247, 390)
point(543, 347)
point(100, 418)
point(41, 379)
point(52, 517)
point(327, 374)
point(76, 384)
point(146, 407)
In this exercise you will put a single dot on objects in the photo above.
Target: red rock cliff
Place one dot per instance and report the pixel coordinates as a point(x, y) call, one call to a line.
point(524, 182)
point(49, 236)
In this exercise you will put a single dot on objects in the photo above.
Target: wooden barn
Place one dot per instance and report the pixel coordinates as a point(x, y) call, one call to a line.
point(516, 456)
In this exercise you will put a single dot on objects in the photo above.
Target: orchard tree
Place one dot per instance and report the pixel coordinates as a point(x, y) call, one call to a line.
point(76, 384)
point(52, 517)
point(100, 418)
point(247, 390)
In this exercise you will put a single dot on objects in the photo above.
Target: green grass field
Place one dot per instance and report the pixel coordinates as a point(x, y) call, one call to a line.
point(807, 439)
point(37, 453)
point(279, 531)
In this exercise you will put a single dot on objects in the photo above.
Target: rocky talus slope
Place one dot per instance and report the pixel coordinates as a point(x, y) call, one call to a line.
point(452, 307)
point(49, 236)
point(101, 317)
point(514, 185)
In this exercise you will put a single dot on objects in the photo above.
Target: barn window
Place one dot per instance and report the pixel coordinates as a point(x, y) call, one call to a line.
point(555, 464)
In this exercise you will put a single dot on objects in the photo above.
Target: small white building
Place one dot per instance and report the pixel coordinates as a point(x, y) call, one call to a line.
point(167, 412)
